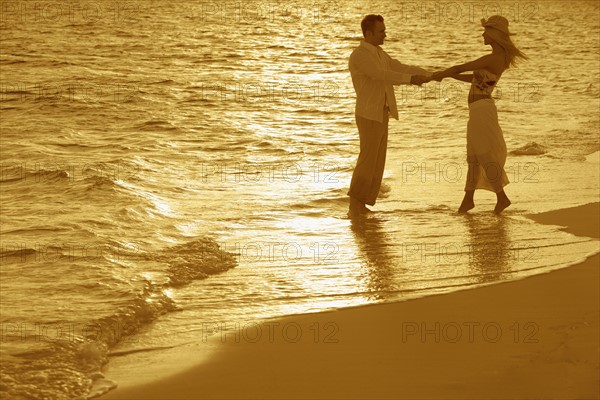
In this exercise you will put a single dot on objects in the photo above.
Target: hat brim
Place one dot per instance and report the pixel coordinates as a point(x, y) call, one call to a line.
point(496, 28)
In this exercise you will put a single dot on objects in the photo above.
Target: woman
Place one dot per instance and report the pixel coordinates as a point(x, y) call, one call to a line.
point(486, 149)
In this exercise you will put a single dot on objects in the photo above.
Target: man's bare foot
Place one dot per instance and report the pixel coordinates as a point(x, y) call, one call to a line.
point(357, 208)
point(501, 205)
point(465, 206)
point(358, 212)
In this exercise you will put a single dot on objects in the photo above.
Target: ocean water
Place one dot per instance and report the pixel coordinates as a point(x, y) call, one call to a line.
point(165, 165)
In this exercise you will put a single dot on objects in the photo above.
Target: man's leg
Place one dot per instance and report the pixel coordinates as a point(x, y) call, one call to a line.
point(380, 162)
point(365, 178)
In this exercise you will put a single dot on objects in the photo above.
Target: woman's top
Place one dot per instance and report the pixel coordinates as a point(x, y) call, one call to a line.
point(483, 82)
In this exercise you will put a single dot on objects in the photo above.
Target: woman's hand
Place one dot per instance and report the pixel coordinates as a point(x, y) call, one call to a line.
point(419, 79)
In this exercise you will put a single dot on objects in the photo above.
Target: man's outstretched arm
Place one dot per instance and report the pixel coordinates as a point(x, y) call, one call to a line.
point(408, 69)
point(362, 63)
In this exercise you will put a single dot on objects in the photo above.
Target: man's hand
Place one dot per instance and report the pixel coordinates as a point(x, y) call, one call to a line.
point(419, 79)
point(437, 76)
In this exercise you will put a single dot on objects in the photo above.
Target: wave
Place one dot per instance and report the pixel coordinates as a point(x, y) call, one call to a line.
point(66, 364)
point(41, 229)
point(348, 38)
point(593, 157)
point(440, 208)
point(157, 125)
point(100, 182)
point(163, 82)
point(337, 198)
point(530, 149)
point(194, 260)
point(6, 61)
point(323, 201)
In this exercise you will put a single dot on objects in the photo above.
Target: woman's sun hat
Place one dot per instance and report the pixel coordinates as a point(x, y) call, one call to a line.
point(497, 22)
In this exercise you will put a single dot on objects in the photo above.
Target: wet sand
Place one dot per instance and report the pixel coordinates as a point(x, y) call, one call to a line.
point(537, 337)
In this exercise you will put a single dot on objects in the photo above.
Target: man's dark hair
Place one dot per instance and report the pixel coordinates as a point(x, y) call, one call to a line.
point(368, 23)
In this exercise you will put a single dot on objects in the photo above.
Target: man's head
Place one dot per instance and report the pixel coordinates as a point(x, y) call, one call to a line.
point(373, 29)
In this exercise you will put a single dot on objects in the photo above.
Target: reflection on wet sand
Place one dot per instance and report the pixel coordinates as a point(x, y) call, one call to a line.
point(489, 246)
point(374, 247)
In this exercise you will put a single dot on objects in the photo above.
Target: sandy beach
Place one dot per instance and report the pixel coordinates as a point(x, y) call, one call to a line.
point(536, 337)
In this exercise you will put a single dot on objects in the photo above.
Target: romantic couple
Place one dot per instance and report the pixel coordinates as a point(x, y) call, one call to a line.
point(374, 73)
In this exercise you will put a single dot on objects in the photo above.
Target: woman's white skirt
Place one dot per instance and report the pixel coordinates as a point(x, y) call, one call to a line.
point(486, 149)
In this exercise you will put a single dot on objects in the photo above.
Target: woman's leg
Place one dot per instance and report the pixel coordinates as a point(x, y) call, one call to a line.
point(472, 178)
point(468, 202)
point(496, 176)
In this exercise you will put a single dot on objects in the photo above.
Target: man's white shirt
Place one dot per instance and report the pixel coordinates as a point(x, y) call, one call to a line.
point(374, 73)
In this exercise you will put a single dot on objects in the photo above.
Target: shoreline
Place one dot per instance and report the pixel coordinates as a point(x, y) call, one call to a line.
point(527, 338)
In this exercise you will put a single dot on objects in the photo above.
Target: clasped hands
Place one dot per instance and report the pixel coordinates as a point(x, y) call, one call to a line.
point(421, 79)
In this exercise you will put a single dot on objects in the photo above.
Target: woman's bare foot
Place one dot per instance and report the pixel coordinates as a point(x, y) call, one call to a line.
point(465, 206)
point(467, 203)
point(501, 203)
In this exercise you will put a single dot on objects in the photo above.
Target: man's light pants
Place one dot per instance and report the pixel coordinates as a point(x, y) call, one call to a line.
point(368, 173)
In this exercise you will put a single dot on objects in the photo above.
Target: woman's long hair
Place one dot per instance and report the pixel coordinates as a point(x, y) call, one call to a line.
point(512, 53)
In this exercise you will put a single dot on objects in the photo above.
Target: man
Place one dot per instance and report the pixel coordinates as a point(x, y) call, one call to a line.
point(373, 73)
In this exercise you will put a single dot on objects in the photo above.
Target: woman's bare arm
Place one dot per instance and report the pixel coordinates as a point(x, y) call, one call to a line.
point(481, 63)
point(463, 77)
